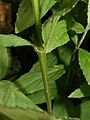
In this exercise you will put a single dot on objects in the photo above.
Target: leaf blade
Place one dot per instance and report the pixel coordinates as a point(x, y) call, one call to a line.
point(57, 35)
point(13, 40)
point(65, 7)
point(11, 97)
point(32, 81)
point(25, 15)
point(4, 61)
point(84, 62)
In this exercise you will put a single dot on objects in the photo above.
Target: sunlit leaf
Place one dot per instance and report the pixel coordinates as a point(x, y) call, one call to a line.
point(55, 34)
point(13, 40)
point(58, 35)
point(83, 91)
point(25, 15)
point(84, 61)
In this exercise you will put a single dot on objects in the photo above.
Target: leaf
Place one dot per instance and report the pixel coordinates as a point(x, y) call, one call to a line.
point(18, 114)
point(57, 35)
point(85, 108)
point(4, 62)
point(10, 96)
point(13, 40)
point(32, 81)
point(74, 37)
point(59, 109)
point(76, 94)
point(83, 91)
point(25, 15)
point(84, 61)
point(64, 8)
point(63, 108)
point(88, 14)
point(64, 52)
point(77, 27)
point(51, 62)
point(36, 96)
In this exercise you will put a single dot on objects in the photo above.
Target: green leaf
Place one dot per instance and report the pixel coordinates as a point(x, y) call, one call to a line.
point(88, 14)
point(51, 62)
point(4, 61)
point(85, 110)
point(64, 52)
point(32, 81)
point(74, 37)
point(17, 114)
point(32, 85)
point(83, 91)
point(65, 7)
point(55, 34)
point(77, 27)
point(36, 96)
point(59, 109)
point(13, 40)
point(63, 107)
point(25, 15)
point(84, 61)
point(58, 35)
point(10, 96)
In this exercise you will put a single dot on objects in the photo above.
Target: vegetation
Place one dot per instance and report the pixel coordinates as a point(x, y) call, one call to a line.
point(45, 60)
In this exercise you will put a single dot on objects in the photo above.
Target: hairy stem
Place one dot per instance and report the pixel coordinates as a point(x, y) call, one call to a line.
point(37, 22)
point(42, 58)
point(41, 54)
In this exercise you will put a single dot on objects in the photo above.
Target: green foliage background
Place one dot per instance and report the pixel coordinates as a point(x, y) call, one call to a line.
point(65, 35)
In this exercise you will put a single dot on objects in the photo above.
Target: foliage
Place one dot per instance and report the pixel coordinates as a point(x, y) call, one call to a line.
point(53, 44)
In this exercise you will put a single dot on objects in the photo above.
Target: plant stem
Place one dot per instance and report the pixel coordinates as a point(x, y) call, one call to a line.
point(77, 47)
point(83, 37)
point(41, 54)
point(80, 42)
point(37, 22)
point(42, 58)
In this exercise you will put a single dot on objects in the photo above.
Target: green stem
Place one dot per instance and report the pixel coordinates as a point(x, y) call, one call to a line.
point(41, 54)
point(80, 42)
point(42, 58)
point(37, 22)
point(74, 52)
point(83, 37)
